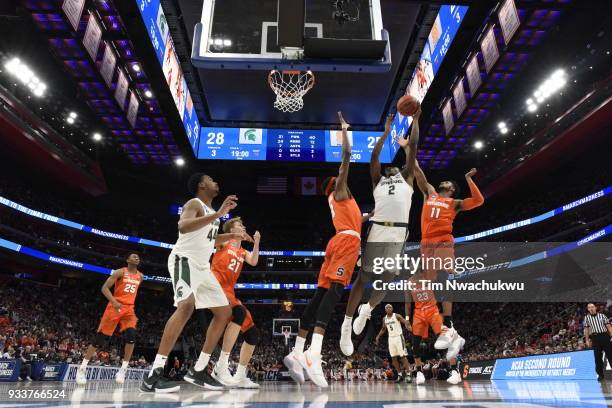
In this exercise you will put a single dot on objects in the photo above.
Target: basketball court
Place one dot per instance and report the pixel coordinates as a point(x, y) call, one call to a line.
point(352, 394)
point(218, 83)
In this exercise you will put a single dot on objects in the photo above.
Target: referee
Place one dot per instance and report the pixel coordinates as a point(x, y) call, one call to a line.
point(598, 334)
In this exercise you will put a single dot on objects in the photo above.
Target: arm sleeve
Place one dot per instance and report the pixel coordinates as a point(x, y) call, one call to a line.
point(476, 199)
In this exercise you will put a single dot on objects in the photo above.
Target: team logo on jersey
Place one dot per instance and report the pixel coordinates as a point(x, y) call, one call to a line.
point(340, 271)
point(250, 136)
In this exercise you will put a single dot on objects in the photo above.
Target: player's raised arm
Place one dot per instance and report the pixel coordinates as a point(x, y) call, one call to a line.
point(252, 257)
point(190, 220)
point(476, 198)
point(421, 180)
point(375, 171)
point(341, 190)
point(410, 147)
point(110, 282)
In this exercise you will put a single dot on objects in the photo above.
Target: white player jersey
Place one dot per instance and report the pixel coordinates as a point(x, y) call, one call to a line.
point(394, 328)
point(198, 245)
point(392, 199)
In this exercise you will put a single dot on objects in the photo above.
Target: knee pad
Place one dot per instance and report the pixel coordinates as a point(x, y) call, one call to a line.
point(251, 336)
point(130, 335)
point(328, 303)
point(238, 314)
point(311, 310)
point(100, 340)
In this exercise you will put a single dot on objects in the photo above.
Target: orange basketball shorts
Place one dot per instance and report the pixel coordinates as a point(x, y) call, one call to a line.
point(125, 318)
point(341, 255)
point(425, 318)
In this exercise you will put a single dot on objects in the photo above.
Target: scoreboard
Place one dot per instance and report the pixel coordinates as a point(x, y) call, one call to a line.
point(289, 145)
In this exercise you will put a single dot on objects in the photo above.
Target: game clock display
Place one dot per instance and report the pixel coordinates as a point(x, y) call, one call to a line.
point(288, 145)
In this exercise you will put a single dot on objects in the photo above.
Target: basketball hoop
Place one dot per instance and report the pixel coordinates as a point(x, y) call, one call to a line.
point(290, 87)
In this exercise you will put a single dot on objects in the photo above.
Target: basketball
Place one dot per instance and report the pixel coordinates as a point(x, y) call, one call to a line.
point(407, 105)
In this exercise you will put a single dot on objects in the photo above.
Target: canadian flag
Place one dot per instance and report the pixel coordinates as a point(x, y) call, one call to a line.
point(307, 186)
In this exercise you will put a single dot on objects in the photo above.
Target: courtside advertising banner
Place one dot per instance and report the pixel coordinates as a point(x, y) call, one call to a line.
point(9, 370)
point(100, 373)
point(577, 365)
point(477, 370)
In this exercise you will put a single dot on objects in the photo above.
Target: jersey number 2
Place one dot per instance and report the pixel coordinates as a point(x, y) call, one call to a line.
point(391, 189)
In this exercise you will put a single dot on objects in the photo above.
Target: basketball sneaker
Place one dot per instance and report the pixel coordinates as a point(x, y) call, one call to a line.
point(364, 312)
point(120, 377)
point(81, 376)
point(202, 379)
point(455, 347)
point(346, 344)
point(312, 365)
point(157, 383)
point(454, 378)
point(221, 373)
point(296, 371)
point(446, 337)
point(242, 381)
point(420, 378)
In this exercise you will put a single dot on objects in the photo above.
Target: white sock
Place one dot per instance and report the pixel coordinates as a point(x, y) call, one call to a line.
point(241, 371)
point(367, 308)
point(317, 343)
point(202, 361)
point(347, 320)
point(299, 345)
point(84, 364)
point(160, 361)
point(223, 359)
point(124, 365)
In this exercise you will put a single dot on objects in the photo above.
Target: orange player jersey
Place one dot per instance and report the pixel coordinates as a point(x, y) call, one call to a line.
point(423, 298)
point(227, 264)
point(437, 218)
point(345, 214)
point(126, 287)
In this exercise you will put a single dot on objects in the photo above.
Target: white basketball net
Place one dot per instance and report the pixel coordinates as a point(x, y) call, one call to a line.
point(290, 87)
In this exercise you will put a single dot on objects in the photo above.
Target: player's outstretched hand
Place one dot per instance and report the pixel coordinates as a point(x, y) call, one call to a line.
point(256, 236)
point(402, 141)
point(408, 326)
point(228, 204)
point(246, 237)
point(470, 173)
point(389, 122)
point(343, 123)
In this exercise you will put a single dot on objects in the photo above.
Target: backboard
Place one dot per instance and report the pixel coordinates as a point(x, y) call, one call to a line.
point(338, 35)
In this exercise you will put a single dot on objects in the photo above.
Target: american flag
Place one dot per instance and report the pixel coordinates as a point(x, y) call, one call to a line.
point(272, 185)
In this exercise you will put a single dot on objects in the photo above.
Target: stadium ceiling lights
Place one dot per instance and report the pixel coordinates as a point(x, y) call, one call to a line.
point(180, 162)
point(26, 76)
point(96, 137)
point(556, 81)
point(478, 144)
point(503, 129)
point(148, 94)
